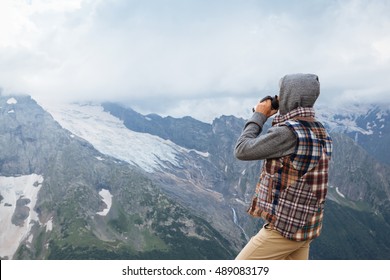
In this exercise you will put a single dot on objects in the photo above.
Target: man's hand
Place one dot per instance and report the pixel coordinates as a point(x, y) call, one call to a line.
point(265, 108)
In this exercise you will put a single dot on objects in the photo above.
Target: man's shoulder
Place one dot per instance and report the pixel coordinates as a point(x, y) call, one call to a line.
point(282, 130)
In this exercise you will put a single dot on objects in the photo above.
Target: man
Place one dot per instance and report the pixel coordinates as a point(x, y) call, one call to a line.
point(290, 194)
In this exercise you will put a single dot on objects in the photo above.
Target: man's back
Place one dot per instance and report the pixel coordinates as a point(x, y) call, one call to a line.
point(291, 191)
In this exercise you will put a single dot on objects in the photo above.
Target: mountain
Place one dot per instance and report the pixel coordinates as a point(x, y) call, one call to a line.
point(367, 125)
point(196, 133)
point(103, 181)
point(63, 199)
point(200, 180)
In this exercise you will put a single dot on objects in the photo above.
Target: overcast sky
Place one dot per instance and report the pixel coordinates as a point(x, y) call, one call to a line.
point(202, 58)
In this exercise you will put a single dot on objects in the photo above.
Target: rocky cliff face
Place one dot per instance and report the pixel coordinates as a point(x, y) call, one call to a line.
point(28, 134)
point(359, 176)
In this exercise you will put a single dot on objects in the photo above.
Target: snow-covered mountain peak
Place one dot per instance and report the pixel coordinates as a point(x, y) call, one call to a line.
point(361, 118)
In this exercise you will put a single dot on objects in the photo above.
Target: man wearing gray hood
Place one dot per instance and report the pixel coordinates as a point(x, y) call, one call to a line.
point(291, 190)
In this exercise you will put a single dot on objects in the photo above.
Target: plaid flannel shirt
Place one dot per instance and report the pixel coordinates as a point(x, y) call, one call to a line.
point(291, 191)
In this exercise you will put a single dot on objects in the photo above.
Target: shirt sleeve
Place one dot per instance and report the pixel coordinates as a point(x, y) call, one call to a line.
point(276, 142)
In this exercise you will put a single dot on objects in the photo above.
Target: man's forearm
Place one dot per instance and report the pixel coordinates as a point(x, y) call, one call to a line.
point(276, 142)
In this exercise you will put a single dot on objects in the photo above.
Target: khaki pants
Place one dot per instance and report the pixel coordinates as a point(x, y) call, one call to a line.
point(269, 244)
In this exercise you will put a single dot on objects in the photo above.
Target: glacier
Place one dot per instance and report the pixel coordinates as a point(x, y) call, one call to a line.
point(109, 136)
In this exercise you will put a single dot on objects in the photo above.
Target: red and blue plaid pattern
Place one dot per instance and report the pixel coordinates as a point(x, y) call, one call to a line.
point(291, 192)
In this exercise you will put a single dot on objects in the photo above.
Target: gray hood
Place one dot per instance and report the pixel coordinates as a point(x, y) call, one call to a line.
point(298, 90)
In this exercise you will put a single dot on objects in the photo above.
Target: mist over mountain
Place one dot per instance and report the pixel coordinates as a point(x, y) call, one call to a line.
point(101, 181)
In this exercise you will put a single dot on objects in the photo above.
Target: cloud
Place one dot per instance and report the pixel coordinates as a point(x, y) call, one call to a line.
point(192, 55)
